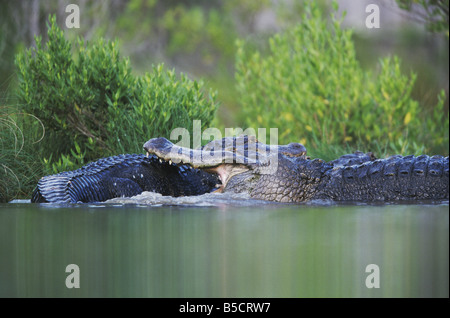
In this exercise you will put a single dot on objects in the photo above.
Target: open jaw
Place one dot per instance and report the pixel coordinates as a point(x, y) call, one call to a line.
point(225, 164)
point(226, 157)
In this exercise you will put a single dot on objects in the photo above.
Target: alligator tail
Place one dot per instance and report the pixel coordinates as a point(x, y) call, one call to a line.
point(391, 179)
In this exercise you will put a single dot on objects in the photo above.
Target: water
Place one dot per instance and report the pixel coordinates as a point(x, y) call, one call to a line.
point(223, 246)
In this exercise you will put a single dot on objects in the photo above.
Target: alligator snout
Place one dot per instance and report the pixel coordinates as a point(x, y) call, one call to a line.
point(161, 147)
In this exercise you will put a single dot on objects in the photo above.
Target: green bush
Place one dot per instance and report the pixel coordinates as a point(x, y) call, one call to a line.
point(92, 105)
point(311, 87)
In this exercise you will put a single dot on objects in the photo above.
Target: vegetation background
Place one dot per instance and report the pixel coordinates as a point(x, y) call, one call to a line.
point(321, 78)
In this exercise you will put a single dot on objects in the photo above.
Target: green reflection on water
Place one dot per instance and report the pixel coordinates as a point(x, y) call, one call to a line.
point(269, 251)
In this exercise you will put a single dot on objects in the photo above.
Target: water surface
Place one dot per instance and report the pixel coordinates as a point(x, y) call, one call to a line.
point(218, 246)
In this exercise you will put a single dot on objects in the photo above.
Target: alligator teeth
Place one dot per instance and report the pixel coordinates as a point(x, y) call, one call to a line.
point(160, 160)
point(170, 162)
point(148, 154)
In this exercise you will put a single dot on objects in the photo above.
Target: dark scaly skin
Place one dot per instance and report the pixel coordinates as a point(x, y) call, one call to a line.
point(287, 175)
point(122, 176)
point(392, 179)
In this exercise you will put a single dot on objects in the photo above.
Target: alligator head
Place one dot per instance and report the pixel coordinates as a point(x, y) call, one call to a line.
point(244, 164)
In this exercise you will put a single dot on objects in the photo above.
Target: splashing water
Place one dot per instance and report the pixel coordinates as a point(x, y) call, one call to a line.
point(208, 199)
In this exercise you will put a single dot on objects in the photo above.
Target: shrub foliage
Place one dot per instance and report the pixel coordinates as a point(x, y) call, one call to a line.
point(92, 105)
point(311, 87)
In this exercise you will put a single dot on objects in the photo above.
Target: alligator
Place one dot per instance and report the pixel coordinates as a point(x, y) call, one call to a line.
point(282, 173)
point(123, 176)
point(286, 174)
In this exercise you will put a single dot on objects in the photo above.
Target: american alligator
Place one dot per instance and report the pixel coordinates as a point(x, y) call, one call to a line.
point(242, 164)
point(286, 174)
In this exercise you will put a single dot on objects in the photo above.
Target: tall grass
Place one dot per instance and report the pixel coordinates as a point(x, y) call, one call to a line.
point(20, 168)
